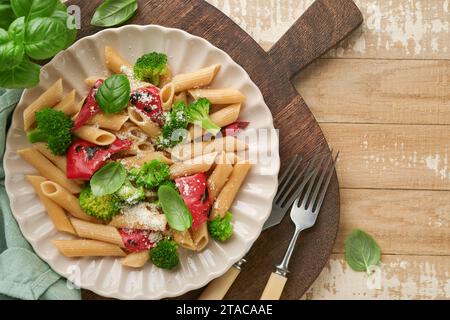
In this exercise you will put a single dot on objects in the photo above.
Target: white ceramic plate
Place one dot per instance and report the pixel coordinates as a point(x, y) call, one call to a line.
point(106, 276)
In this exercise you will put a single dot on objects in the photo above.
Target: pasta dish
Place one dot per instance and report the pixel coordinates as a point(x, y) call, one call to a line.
point(147, 163)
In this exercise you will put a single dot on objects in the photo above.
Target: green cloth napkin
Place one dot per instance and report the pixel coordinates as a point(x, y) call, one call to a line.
point(23, 275)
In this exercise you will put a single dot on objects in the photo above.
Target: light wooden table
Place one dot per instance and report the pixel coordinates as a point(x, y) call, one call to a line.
point(383, 98)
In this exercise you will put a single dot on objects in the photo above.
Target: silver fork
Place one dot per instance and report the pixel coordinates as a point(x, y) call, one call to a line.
point(291, 183)
point(304, 215)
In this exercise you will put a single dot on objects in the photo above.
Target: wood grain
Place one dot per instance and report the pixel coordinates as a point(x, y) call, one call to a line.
point(401, 277)
point(327, 22)
point(402, 221)
point(391, 156)
point(377, 91)
point(395, 29)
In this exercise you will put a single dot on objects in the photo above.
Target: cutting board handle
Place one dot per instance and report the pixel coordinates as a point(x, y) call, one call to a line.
point(320, 28)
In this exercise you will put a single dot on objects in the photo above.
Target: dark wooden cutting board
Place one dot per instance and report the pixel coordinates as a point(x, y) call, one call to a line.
point(324, 24)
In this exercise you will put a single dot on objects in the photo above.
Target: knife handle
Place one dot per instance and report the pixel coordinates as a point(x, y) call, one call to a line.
point(274, 287)
point(218, 288)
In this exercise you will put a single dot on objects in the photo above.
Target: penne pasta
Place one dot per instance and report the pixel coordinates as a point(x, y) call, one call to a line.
point(65, 199)
point(90, 82)
point(114, 61)
point(144, 157)
point(88, 248)
point(192, 166)
point(197, 79)
point(55, 212)
point(200, 237)
point(48, 169)
point(49, 98)
point(218, 179)
point(59, 161)
point(109, 122)
point(67, 104)
point(166, 79)
point(99, 232)
point(222, 118)
point(136, 260)
point(229, 191)
point(184, 239)
point(144, 146)
point(167, 95)
point(219, 96)
point(181, 97)
point(95, 135)
point(144, 123)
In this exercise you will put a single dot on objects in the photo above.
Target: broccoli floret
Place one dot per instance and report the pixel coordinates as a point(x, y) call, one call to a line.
point(199, 114)
point(130, 194)
point(104, 207)
point(221, 229)
point(150, 67)
point(150, 175)
point(174, 128)
point(165, 254)
point(54, 128)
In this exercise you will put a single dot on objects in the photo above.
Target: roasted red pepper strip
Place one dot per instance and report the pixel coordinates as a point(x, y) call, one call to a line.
point(194, 191)
point(90, 107)
point(137, 240)
point(148, 101)
point(85, 158)
point(234, 128)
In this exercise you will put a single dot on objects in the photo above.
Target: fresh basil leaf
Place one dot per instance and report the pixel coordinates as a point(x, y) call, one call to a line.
point(45, 37)
point(16, 30)
point(11, 55)
point(25, 75)
point(108, 179)
point(361, 251)
point(63, 16)
point(114, 12)
point(4, 36)
point(6, 15)
point(177, 213)
point(33, 8)
point(114, 94)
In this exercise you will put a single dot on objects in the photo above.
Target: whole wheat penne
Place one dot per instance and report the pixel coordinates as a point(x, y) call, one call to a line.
point(114, 61)
point(59, 161)
point(167, 78)
point(224, 144)
point(222, 118)
point(90, 82)
point(55, 212)
point(109, 122)
point(181, 97)
point(68, 104)
point(95, 135)
point(167, 95)
point(65, 199)
point(197, 79)
point(122, 222)
point(135, 260)
point(218, 179)
point(219, 96)
point(184, 239)
point(144, 146)
point(49, 98)
point(95, 231)
point(47, 169)
point(144, 123)
point(200, 237)
point(229, 191)
point(88, 248)
point(144, 157)
point(192, 166)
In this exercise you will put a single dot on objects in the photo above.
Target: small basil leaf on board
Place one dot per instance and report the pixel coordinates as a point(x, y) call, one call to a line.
point(45, 37)
point(114, 12)
point(108, 179)
point(25, 75)
point(361, 251)
point(33, 8)
point(177, 213)
point(114, 94)
point(6, 15)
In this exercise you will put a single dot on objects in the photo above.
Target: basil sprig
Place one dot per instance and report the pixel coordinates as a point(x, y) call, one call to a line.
point(108, 179)
point(114, 12)
point(114, 94)
point(361, 251)
point(30, 29)
point(177, 213)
